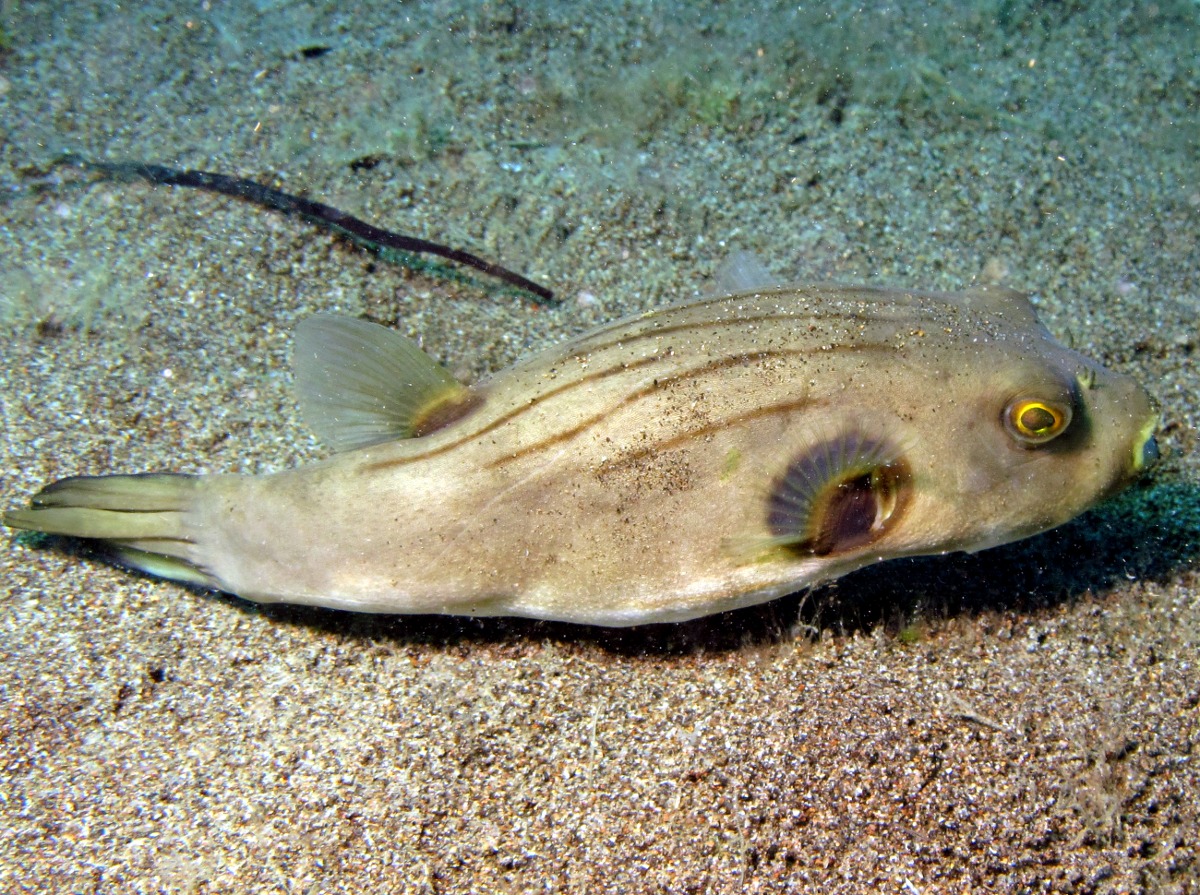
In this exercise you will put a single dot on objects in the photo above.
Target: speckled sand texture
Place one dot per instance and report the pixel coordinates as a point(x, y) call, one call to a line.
point(1025, 720)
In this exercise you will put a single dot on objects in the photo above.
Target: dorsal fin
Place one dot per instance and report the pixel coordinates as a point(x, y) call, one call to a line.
point(359, 383)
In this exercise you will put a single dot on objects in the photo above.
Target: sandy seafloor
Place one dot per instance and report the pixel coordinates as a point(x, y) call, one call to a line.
point(1023, 720)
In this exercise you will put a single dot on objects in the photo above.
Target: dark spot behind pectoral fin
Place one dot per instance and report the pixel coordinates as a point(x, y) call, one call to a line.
point(838, 493)
point(359, 384)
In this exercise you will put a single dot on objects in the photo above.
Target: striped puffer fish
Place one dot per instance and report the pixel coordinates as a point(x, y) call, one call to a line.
point(705, 456)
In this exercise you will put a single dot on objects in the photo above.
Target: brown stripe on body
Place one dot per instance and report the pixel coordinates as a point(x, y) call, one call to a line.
point(813, 294)
point(626, 366)
point(157, 539)
point(675, 441)
point(633, 397)
point(517, 411)
point(699, 431)
point(586, 346)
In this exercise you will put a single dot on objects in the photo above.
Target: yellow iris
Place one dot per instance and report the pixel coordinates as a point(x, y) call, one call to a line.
point(1036, 422)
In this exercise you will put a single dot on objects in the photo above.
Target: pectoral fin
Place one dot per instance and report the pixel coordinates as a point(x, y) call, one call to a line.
point(359, 384)
point(839, 494)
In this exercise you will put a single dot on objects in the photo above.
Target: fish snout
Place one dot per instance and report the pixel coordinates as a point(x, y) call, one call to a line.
point(1145, 453)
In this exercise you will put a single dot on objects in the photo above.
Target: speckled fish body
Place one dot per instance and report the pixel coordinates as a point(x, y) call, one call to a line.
point(709, 455)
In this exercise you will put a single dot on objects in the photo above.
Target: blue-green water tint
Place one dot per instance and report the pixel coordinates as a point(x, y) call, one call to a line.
point(620, 152)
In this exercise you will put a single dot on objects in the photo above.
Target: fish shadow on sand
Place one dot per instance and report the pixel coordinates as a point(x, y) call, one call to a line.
point(1146, 533)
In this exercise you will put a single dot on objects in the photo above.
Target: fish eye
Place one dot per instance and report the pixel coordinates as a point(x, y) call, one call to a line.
point(1035, 421)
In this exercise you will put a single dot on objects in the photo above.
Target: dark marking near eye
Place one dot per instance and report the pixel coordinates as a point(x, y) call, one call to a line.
point(841, 493)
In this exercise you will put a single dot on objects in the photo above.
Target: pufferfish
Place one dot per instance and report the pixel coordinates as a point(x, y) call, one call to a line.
point(705, 456)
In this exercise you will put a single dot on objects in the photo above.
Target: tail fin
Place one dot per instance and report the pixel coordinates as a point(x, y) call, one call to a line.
point(141, 519)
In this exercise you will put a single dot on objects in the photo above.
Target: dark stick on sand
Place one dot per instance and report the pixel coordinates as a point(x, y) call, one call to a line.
point(316, 212)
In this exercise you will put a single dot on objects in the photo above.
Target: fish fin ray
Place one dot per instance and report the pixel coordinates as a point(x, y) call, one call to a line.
point(841, 491)
point(360, 384)
point(141, 520)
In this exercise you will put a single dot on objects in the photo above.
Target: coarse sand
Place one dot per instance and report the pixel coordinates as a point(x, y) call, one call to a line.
point(1023, 720)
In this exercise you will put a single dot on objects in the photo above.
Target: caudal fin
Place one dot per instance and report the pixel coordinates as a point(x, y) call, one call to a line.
point(141, 519)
